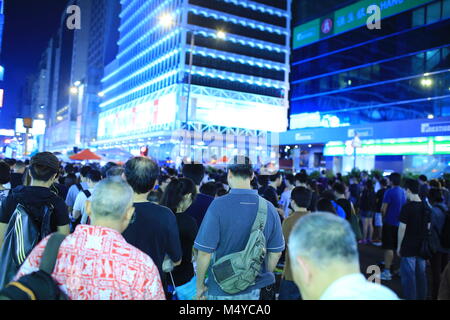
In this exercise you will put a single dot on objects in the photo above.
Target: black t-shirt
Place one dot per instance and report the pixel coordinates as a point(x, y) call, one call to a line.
point(154, 231)
point(35, 197)
point(188, 231)
point(270, 194)
point(347, 206)
point(314, 200)
point(380, 197)
point(412, 214)
point(199, 207)
point(368, 201)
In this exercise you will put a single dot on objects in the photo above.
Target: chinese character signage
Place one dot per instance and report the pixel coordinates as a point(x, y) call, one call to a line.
point(348, 18)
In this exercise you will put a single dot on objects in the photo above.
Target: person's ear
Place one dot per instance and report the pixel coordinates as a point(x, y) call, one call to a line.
point(88, 208)
point(129, 213)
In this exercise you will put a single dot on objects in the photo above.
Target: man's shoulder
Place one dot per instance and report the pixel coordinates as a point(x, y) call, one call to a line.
point(152, 210)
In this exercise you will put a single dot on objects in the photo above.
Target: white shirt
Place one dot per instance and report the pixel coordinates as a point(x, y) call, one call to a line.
point(285, 201)
point(356, 287)
point(80, 202)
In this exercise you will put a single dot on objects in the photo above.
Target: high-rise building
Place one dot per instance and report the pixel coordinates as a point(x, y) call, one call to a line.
point(197, 78)
point(385, 82)
point(80, 57)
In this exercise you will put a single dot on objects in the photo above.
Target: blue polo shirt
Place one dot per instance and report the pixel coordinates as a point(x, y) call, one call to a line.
point(226, 229)
point(395, 198)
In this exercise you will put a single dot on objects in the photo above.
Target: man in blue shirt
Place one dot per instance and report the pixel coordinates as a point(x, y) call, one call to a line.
point(393, 201)
point(226, 229)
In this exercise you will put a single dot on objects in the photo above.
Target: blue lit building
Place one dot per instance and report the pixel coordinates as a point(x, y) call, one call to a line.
point(349, 79)
point(225, 102)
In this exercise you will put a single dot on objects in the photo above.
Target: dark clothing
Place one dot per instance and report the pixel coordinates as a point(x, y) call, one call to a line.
point(188, 231)
point(270, 194)
point(347, 206)
point(199, 207)
point(60, 190)
point(389, 237)
point(412, 214)
point(35, 197)
point(437, 263)
point(355, 194)
point(423, 191)
point(444, 289)
point(368, 201)
point(314, 200)
point(154, 231)
point(16, 179)
point(380, 197)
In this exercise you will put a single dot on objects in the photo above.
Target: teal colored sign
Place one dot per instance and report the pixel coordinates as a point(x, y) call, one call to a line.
point(352, 17)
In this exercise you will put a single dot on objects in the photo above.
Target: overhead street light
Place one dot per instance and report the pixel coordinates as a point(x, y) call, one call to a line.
point(426, 82)
point(74, 90)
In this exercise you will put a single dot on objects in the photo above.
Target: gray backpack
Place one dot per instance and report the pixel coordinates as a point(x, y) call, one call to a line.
point(236, 272)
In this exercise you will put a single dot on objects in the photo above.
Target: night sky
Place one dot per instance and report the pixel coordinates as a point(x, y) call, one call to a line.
point(29, 24)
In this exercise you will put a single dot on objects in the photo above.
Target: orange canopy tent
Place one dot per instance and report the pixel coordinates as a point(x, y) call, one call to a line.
point(85, 155)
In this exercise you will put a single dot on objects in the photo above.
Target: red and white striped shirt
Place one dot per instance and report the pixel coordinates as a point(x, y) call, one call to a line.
point(96, 263)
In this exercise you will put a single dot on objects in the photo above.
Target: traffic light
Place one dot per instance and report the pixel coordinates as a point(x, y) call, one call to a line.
point(144, 151)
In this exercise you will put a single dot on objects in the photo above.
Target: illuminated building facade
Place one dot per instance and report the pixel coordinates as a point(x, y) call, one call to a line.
point(349, 79)
point(225, 101)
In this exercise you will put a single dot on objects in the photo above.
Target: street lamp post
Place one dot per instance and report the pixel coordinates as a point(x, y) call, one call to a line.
point(167, 21)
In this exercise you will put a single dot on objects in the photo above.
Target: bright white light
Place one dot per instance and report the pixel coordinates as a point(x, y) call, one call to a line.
point(77, 83)
point(221, 34)
point(426, 82)
point(166, 20)
point(59, 118)
point(101, 94)
point(74, 90)
point(40, 116)
point(430, 116)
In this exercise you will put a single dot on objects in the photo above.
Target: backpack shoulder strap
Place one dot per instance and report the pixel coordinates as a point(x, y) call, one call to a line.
point(50, 255)
point(87, 193)
point(261, 216)
point(79, 186)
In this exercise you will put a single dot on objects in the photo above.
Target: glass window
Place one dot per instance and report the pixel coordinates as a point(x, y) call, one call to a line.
point(446, 9)
point(418, 18)
point(434, 12)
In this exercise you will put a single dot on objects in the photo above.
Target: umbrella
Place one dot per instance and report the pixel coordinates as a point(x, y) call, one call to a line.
point(85, 155)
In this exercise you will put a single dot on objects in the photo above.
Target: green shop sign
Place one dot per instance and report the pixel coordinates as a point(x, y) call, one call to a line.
point(348, 18)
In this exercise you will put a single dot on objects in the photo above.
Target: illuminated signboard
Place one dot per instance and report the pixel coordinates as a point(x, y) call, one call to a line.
point(239, 114)
point(411, 146)
point(137, 119)
point(348, 18)
point(38, 127)
point(7, 132)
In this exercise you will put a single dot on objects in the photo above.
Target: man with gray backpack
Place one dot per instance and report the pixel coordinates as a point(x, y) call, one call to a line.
point(239, 242)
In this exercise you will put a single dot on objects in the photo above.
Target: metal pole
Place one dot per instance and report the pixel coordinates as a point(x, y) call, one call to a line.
point(191, 60)
point(26, 142)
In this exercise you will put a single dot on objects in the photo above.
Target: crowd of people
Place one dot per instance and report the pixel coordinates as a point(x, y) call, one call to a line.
point(140, 231)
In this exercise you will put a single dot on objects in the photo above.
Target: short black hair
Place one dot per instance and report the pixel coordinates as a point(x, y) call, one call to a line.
point(423, 178)
point(339, 188)
point(43, 166)
point(383, 182)
point(412, 185)
point(141, 174)
point(241, 166)
point(302, 197)
point(194, 171)
point(290, 178)
point(301, 178)
point(94, 175)
point(85, 170)
point(328, 194)
point(274, 177)
point(115, 171)
point(5, 172)
point(209, 189)
point(325, 205)
point(107, 167)
point(395, 178)
point(435, 183)
point(435, 196)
